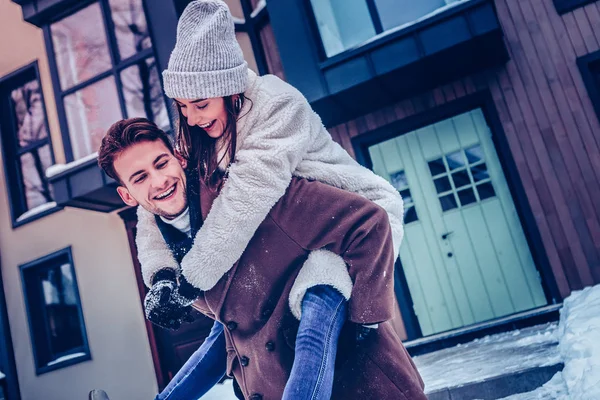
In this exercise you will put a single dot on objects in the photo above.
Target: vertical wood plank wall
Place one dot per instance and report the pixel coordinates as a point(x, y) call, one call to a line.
point(550, 125)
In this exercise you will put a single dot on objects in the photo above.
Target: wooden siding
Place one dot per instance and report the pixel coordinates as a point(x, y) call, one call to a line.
point(549, 123)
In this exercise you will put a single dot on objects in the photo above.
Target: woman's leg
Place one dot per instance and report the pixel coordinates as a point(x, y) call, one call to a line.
point(323, 315)
point(202, 371)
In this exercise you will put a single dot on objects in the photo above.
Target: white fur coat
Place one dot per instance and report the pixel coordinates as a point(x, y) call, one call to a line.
point(279, 135)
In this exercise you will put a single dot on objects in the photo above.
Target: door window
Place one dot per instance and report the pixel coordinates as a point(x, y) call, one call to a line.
point(461, 178)
point(400, 182)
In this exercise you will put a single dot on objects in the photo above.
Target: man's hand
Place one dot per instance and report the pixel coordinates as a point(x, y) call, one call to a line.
point(164, 305)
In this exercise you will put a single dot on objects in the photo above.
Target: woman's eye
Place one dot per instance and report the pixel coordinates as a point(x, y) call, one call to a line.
point(202, 107)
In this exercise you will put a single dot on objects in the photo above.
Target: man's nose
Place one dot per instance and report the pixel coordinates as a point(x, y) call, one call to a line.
point(159, 181)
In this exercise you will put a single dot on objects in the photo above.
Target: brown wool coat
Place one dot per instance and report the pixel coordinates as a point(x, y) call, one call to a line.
point(251, 300)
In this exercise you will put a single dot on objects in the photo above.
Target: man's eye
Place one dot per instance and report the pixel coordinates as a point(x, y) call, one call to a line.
point(162, 165)
point(140, 179)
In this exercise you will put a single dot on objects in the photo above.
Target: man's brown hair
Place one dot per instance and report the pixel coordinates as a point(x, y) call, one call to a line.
point(123, 134)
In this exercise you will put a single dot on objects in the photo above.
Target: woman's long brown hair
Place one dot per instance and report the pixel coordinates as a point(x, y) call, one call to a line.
point(199, 149)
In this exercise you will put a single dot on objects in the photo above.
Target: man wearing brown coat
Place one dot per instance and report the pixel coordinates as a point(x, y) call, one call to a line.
point(251, 300)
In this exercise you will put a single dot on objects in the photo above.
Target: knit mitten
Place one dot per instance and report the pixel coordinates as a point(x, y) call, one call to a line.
point(164, 306)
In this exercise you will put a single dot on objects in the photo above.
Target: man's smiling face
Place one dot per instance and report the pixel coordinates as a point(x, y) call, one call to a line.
point(152, 177)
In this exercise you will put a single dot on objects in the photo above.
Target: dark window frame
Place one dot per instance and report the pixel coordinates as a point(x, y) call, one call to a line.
point(484, 101)
point(42, 263)
point(118, 65)
point(252, 26)
point(586, 65)
point(10, 152)
point(565, 6)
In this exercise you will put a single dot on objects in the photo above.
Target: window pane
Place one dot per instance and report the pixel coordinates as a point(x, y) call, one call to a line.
point(448, 202)
point(406, 196)
point(442, 184)
point(410, 215)
point(244, 41)
point(342, 23)
point(29, 113)
point(480, 172)
point(455, 160)
point(399, 180)
point(474, 154)
point(131, 28)
point(437, 167)
point(143, 93)
point(466, 196)
point(486, 190)
point(81, 53)
point(235, 7)
point(461, 178)
point(57, 329)
point(60, 301)
point(33, 167)
point(394, 13)
point(90, 112)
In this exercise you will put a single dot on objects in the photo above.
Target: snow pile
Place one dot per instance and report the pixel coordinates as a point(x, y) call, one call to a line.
point(554, 389)
point(579, 332)
point(490, 356)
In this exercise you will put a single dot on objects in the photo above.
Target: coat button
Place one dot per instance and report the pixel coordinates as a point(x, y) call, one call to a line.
point(256, 396)
point(231, 325)
point(244, 361)
point(270, 346)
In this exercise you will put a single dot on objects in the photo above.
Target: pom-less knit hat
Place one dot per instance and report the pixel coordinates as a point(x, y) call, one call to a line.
point(207, 60)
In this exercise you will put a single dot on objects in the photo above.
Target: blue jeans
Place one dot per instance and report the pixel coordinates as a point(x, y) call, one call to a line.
point(201, 371)
point(323, 315)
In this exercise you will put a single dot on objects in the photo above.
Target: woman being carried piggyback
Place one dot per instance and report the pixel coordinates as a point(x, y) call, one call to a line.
point(248, 137)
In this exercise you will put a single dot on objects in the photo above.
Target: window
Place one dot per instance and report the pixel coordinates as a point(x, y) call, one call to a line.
point(344, 24)
point(564, 6)
point(56, 321)
point(26, 145)
point(461, 178)
point(255, 36)
point(589, 66)
point(103, 74)
point(400, 182)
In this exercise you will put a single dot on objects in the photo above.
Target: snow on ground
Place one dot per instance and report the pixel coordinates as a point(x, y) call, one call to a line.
point(573, 341)
point(554, 389)
point(579, 346)
point(490, 356)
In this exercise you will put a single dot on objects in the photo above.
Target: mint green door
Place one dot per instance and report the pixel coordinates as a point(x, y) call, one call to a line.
point(464, 254)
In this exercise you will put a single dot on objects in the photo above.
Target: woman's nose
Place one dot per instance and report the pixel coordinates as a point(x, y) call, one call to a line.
point(193, 118)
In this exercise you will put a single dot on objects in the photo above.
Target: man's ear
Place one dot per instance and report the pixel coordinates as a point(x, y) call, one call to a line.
point(126, 196)
point(181, 159)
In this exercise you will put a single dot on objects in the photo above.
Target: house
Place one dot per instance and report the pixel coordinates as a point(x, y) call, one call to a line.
point(483, 114)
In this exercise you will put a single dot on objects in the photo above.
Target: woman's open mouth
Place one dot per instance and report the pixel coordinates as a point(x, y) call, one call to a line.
point(208, 126)
point(167, 194)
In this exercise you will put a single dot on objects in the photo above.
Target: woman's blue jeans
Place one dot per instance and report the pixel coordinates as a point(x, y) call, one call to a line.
point(323, 315)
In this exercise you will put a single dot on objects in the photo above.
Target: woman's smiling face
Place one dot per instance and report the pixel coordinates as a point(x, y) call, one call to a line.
point(208, 114)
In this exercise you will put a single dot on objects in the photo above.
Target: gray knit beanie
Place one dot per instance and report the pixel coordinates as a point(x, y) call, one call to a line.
point(207, 60)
